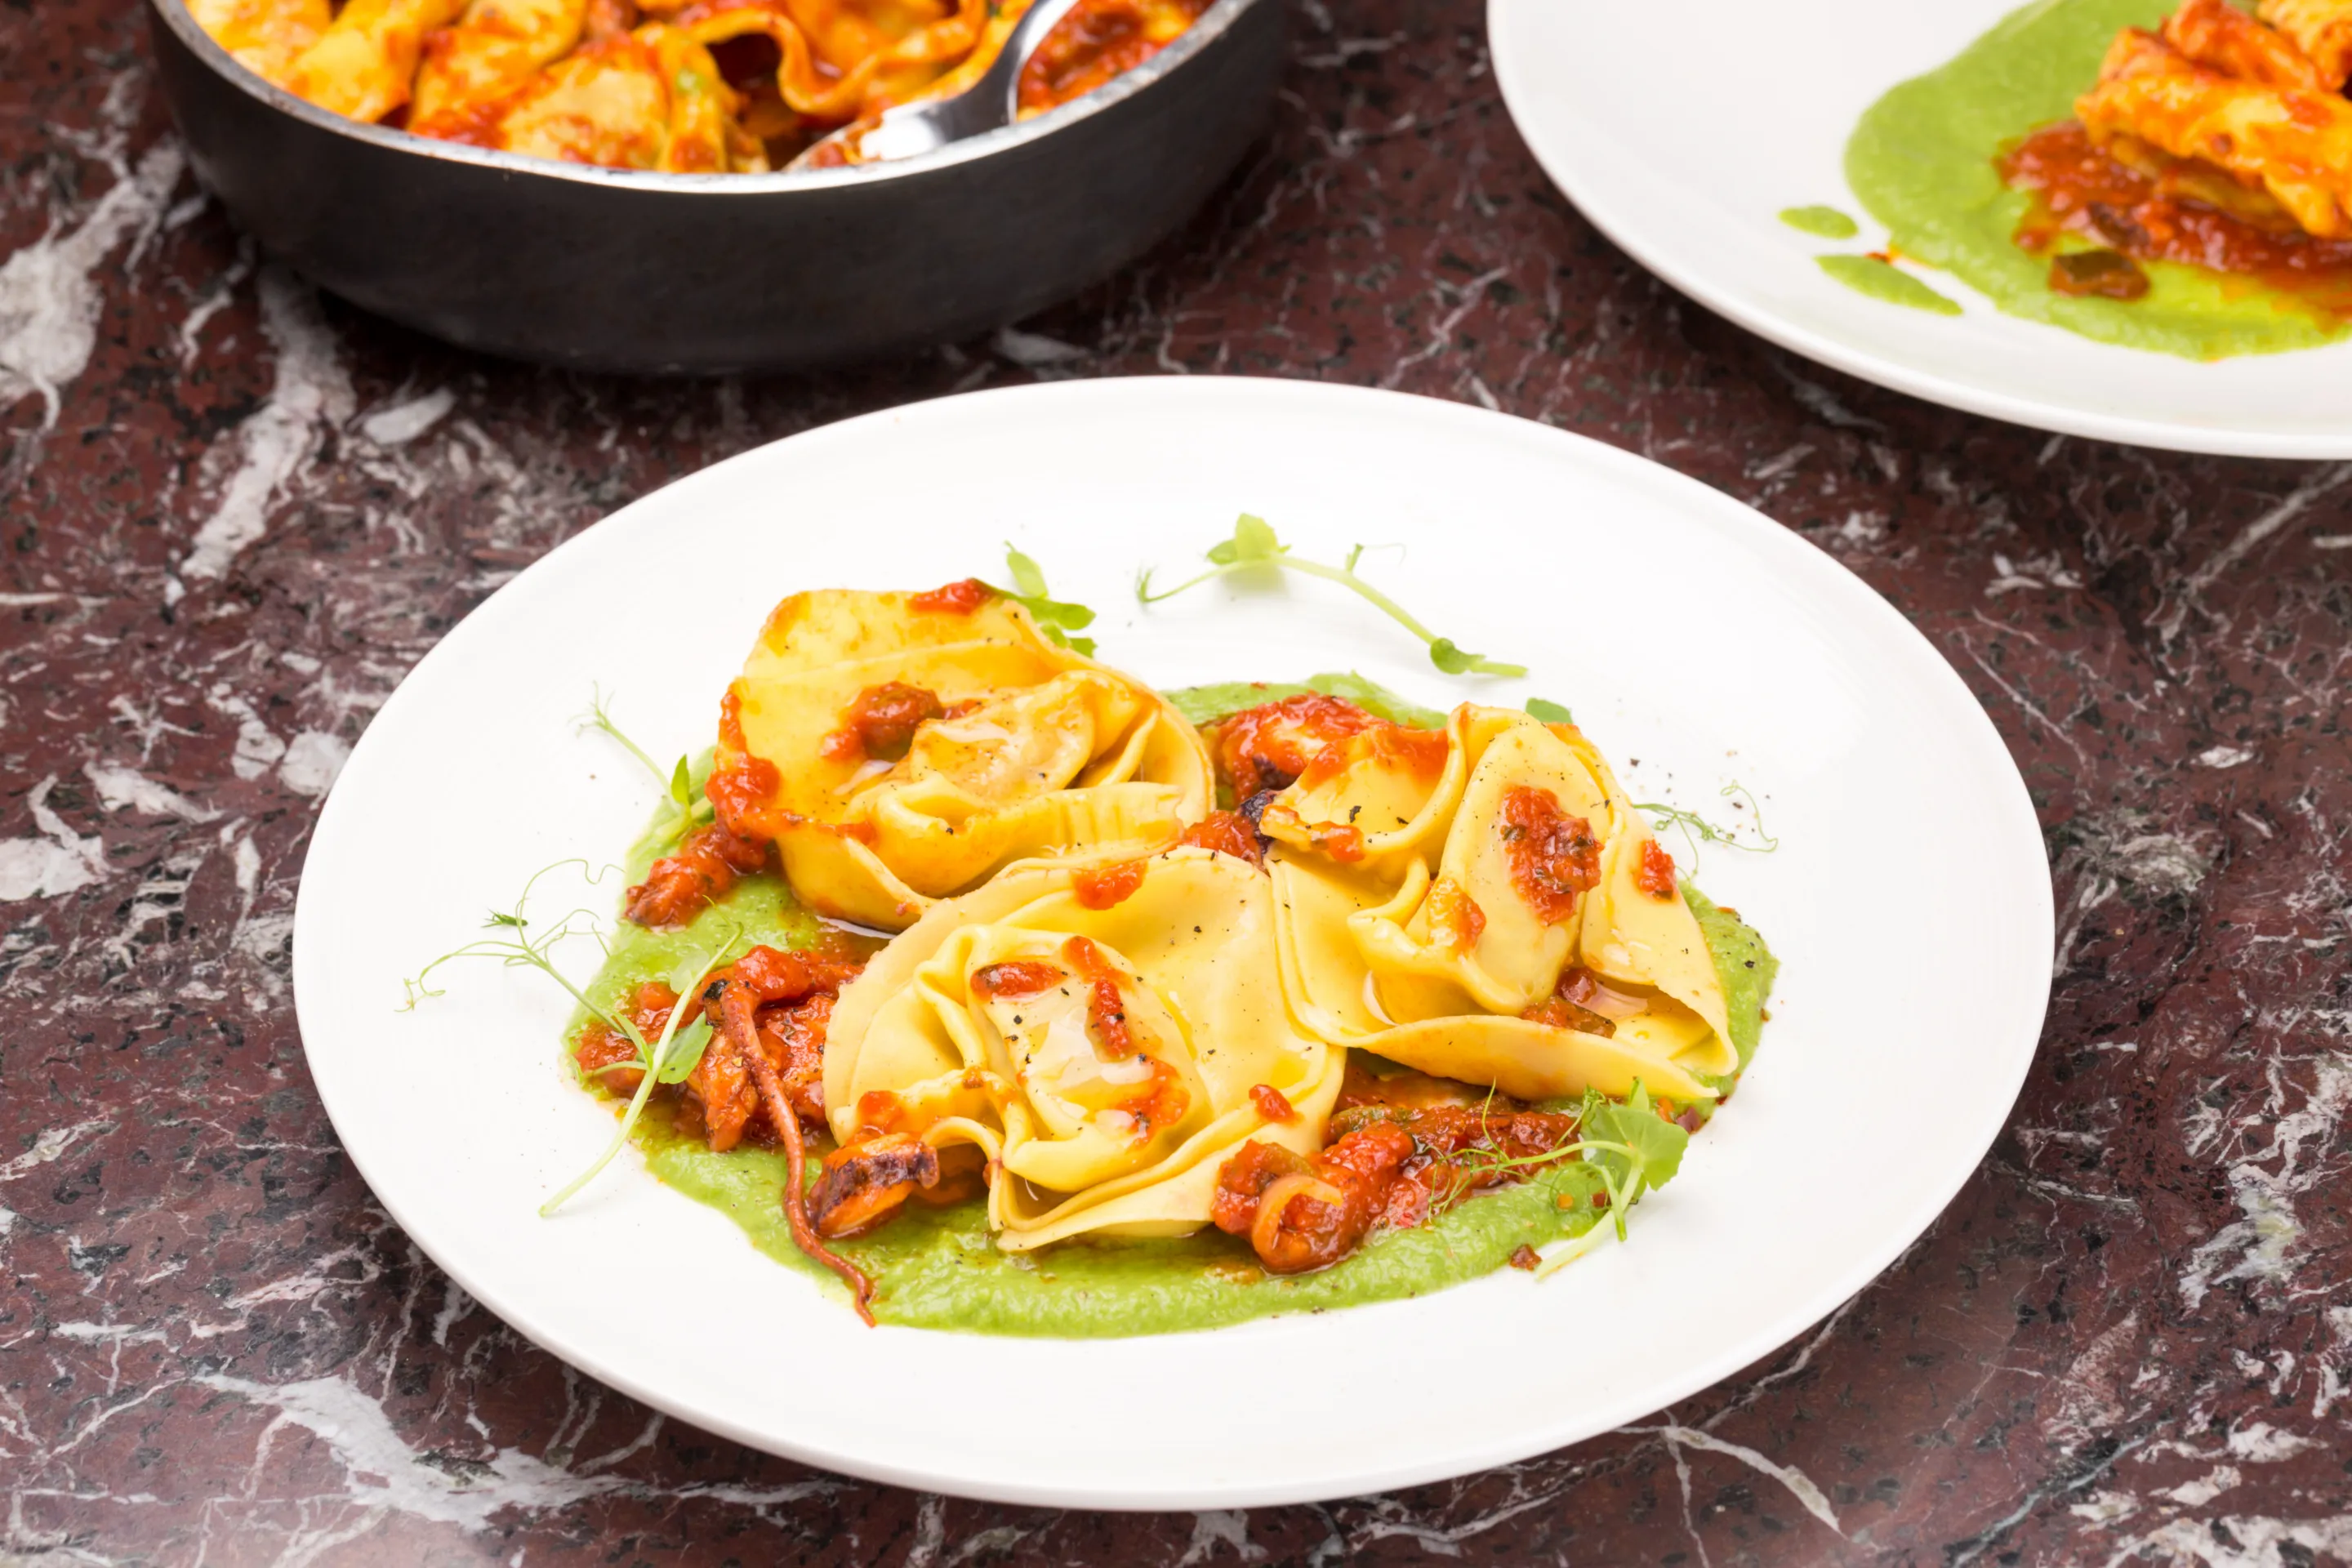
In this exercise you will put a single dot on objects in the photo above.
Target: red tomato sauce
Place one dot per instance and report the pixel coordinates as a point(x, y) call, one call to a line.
point(1391, 1164)
point(1553, 857)
point(1107, 887)
point(741, 786)
point(1342, 842)
point(1268, 746)
point(2079, 189)
point(1106, 1007)
point(1016, 977)
point(1422, 754)
point(880, 723)
point(1272, 1103)
point(705, 866)
point(1161, 1102)
point(1655, 875)
point(719, 1101)
point(1227, 833)
point(1566, 1007)
point(1096, 42)
point(1454, 916)
point(955, 598)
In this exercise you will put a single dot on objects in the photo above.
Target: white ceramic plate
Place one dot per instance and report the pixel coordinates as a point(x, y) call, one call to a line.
point(1682, 127)
point(1686, 631)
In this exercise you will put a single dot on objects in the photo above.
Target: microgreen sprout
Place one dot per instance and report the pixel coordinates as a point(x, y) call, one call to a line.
point(1545, 712)
point(1696, 829)
point(688, 810)
point(668, 1058)
point(1636, 1151)
point(515, 946)
point(1254, 549)
point(1054, 617)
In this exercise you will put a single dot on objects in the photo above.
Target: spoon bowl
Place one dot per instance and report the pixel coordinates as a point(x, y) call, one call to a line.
point(911, 129)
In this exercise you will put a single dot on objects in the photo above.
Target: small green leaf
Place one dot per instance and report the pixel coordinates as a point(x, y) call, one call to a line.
point(516, 921)
point(681, 784)
point(1207, 704)
point(1076, 617)
point(1451, 659)
point(1054, 617)
point(1060, 639)
point(1656, 1144)
point(1253, 540)
point(1027, 575)
point(1202, 705)
point(1378, 701)
point(685, 1052)
point(688, 971)
point(1548, 712)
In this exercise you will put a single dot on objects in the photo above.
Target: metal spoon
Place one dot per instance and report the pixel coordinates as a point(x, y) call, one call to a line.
point(988, 104)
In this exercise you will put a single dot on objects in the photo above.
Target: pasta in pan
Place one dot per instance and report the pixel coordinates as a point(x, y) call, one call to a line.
point(1158, 1010)
point(678, 86)
point(2220, 141)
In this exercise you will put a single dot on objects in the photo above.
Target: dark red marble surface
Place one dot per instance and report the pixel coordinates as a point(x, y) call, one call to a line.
point(233, 513)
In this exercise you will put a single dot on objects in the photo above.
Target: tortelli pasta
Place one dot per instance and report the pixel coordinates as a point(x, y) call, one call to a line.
point(1102, 1059)
point(1434, 889)
point(675, 85)
point(899, 748)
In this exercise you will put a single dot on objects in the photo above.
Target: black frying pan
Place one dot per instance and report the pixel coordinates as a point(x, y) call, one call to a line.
point(607, 270)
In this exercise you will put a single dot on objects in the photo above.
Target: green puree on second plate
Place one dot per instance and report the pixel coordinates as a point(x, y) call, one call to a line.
point(1882, 280)
point(1922, 161)
point(936, 1268)
point(1824, 223)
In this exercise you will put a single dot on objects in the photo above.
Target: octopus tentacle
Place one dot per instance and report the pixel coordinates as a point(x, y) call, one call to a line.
point(737, 1023)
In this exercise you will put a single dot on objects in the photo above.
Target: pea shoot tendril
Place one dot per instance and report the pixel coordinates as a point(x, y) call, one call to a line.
point(1254, 548)
point(1696, 829)
point(1630, 1148)
point(668, 1057)
point(688, 809)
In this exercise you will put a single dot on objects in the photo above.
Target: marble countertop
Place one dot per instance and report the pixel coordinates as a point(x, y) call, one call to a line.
point(233, 513)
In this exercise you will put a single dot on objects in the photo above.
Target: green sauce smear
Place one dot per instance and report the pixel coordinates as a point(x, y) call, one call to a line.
point(937, 1268)
point(1205, 705)
point(1828, 223)
point(1884, 280)
point(1922, 161)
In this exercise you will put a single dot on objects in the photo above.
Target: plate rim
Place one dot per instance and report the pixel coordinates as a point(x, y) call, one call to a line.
point(1460, 1458)
point(2058, 418)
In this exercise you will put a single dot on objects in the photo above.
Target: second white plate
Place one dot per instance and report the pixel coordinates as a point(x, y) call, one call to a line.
point(1682, 128)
